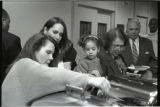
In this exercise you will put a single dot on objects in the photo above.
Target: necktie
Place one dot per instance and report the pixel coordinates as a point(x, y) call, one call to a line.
point(134, 52)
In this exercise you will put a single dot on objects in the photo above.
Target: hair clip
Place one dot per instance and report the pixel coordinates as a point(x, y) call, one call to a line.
point(90, 36)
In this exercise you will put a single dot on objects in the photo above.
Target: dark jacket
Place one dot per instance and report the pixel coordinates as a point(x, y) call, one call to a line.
point(11, 46)
point(146, 54)
point(69, 55)
point(108, 64)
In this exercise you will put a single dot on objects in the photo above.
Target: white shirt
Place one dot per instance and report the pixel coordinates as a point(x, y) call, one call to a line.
point(136, 42)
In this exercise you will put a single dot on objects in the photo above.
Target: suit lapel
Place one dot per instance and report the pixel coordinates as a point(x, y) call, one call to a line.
point(127, 54)
point(141, 48)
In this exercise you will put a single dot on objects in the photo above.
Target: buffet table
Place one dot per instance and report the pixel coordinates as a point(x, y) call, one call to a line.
point(124, 92)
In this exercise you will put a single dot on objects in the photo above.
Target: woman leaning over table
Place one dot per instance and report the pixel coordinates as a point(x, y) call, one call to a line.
point(29, 77)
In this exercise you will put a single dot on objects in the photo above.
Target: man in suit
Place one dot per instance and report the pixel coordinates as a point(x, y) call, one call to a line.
point(11, 45)
point(139, 50)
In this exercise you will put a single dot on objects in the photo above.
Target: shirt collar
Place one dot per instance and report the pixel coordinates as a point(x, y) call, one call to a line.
point(135, 41)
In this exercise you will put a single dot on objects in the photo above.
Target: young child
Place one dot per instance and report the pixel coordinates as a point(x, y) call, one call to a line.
point(90, 64)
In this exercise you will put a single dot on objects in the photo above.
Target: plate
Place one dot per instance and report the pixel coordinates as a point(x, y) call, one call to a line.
point(138, 68)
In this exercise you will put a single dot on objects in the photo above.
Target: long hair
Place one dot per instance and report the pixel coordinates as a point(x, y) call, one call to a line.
point(110, 36)
point(50, 23)
point(6, 20)
point(33, 44)
point(64, 44)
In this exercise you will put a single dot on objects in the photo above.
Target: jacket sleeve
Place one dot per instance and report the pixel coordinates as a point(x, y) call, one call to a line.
point(37, 80)
point(14, 49)
point(71, 56)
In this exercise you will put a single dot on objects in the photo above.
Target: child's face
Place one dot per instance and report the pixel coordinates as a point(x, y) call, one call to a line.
point(91, 49)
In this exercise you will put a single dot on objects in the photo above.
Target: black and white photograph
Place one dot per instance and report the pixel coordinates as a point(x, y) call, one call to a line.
point(88, 53)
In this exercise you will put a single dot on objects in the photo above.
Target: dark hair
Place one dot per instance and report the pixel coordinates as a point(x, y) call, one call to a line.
point(50, 23)
point(5, 20)
point(153, 25)
point(153, 20)
point(110, 36)
point(85, 38)
point(5, 14)
point(34, 44)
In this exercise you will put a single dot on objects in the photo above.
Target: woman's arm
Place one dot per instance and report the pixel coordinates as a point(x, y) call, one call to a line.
point(37, 80)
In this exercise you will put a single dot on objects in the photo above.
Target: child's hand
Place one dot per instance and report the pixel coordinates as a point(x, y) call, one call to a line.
point(95, 73)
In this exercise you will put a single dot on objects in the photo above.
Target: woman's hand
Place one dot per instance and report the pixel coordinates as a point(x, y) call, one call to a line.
point(99, 93)
point(101, 83)
point(95, 73)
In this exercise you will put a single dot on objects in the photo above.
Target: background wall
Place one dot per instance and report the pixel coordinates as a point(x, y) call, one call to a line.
point(148, 10)
point(124, 10)
point(28, 16)
point(88, 12)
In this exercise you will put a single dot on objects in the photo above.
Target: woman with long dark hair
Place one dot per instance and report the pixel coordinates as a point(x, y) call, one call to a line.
point(66, 54)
